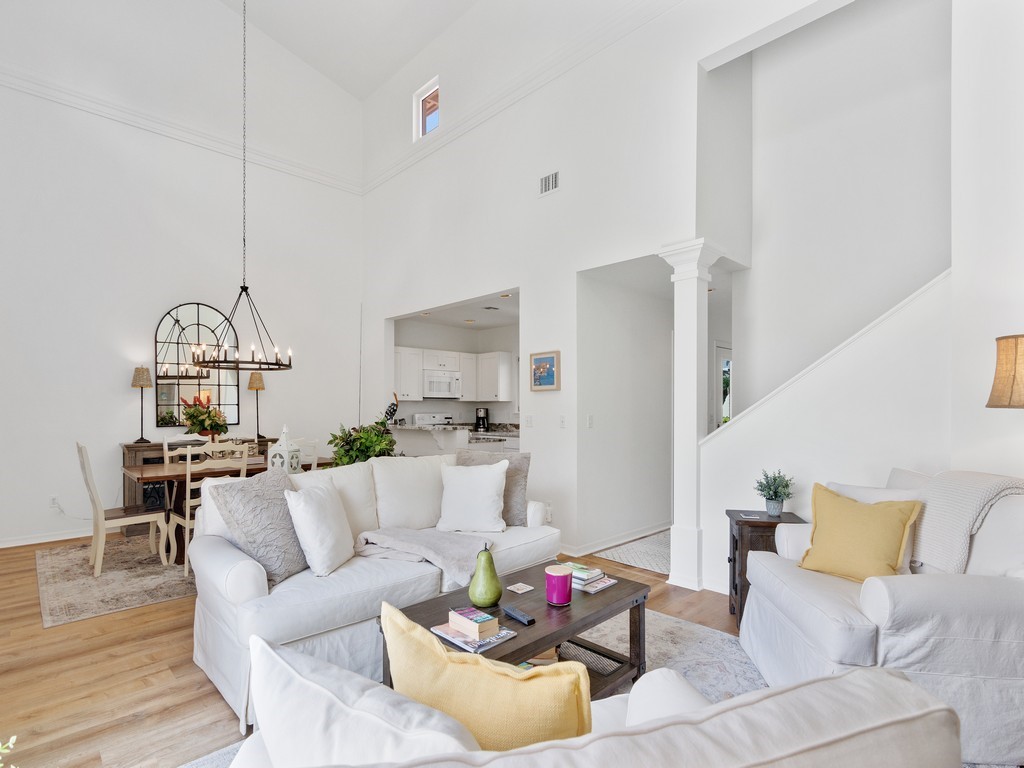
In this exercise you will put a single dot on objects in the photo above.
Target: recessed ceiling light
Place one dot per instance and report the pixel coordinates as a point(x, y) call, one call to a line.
point(469, 321)
point(492, 309)
point(505, 296)
point(711, 290)
point(424, 313)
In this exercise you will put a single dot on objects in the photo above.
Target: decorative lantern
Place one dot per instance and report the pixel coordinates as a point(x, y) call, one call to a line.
point(285, 455)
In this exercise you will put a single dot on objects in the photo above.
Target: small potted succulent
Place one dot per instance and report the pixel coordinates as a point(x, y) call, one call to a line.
point(775, 488)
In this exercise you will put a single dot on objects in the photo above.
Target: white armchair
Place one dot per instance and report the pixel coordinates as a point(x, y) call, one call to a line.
point(959, 636)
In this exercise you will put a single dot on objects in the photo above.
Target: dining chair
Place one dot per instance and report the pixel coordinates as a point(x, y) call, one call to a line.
point(105, 519)
point(307, 450)
point(201, 458)
point(177, 453)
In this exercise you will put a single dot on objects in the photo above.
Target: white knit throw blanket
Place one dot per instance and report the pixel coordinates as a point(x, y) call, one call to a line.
point(956, 503)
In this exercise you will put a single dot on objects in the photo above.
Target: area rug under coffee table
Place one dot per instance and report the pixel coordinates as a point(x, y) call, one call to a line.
point(132, 576)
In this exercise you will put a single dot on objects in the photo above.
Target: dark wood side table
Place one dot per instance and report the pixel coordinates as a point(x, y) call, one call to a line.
point(749, 534)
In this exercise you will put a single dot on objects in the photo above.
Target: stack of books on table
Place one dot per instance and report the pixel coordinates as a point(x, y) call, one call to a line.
point(473, 623)
point(467, 643)
point(588, 579)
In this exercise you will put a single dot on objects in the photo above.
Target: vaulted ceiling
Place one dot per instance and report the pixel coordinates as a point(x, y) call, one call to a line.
point(358, 44)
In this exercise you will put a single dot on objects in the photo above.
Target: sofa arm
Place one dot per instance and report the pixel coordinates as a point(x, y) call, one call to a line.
point(536, 514)
point(792, 540)
point(958, 605)
point(224, 570)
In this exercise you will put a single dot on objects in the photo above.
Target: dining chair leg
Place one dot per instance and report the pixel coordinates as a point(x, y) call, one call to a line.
point(152, 536)
point(101, 541)
point(92, 550)
point(185, 532)
point(171, 534)
point(163, 542)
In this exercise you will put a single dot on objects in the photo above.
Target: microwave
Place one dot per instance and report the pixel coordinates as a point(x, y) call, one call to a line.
point(442, 384)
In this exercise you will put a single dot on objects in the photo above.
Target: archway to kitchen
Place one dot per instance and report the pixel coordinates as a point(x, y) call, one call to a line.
point(474, 343)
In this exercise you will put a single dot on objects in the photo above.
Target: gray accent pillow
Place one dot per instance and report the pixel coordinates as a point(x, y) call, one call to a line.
point(513, 511)
point(256, 513)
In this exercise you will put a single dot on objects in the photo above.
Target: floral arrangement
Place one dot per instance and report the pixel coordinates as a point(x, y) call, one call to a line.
point(200, 416)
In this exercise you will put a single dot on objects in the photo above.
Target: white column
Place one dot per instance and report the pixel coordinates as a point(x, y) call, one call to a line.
point(690, 262)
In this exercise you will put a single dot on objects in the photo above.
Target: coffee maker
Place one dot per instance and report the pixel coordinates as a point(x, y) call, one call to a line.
point(482, 422)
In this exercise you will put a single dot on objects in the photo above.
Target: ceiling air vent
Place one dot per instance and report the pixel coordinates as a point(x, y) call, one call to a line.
point(549, 183)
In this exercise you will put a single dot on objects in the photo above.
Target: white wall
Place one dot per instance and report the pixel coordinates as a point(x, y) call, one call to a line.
point(882, 400)
point(988, 230)
point(625, 387)
point(851, 182)
point(470, 207)
point(121, 201)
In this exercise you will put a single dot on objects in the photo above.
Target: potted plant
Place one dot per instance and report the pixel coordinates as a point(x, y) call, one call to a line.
point(775, 488)
point(167, 419)
point(202, 418)
point(364, 442)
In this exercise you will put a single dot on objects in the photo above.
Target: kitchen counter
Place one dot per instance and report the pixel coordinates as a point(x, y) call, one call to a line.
point(433, 439)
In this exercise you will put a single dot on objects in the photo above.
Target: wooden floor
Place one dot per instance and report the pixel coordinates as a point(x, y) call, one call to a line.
point(121, 691)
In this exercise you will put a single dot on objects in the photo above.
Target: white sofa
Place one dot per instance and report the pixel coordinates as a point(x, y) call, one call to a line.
point(333, 617)
point(865, 717)
point(959, 636)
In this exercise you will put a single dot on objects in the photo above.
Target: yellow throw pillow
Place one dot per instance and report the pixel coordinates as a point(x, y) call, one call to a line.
point(502, 705)
point(856, 540)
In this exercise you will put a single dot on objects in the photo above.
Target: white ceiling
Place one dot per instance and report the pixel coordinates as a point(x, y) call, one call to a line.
point(359, 44)
point(506, 313)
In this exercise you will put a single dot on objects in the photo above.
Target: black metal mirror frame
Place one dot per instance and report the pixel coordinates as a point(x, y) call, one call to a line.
point(184, 326)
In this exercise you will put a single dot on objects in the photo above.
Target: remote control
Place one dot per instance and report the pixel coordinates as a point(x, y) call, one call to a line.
point(521, 616)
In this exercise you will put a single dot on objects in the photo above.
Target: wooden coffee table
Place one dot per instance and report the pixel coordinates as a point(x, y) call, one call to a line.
point(555, 626)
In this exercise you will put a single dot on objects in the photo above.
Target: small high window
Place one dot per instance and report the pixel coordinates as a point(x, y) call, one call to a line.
point(427, 109)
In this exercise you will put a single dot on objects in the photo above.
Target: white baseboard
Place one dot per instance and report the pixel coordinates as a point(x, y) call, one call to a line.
point(613, 541)
point(43, 538)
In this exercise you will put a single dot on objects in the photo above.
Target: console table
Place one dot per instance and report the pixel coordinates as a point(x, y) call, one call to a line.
point(749, 530)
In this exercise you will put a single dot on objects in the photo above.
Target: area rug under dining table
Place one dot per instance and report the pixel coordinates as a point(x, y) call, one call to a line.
point(132, 577)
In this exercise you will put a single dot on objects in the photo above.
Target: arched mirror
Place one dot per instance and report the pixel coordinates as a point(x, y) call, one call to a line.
point(185, 326)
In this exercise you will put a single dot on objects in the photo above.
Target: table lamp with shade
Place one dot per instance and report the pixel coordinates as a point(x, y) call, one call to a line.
point(1008, 381)
point(256, 385)
point(141, 380)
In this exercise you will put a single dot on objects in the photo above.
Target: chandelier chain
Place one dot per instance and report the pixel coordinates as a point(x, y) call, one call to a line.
point(243, 139)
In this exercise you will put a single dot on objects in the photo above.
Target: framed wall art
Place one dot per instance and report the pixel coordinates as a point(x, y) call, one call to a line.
point(545, 372)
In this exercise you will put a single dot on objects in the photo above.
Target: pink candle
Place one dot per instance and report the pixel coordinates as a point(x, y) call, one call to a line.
point(558, 584)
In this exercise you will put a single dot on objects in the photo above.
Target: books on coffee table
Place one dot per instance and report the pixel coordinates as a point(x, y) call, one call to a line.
point(473, 622)
point(583, 574)
point(595, 586)
point(469, 644)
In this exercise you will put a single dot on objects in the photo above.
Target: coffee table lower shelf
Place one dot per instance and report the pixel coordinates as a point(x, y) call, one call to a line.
point(607, 668)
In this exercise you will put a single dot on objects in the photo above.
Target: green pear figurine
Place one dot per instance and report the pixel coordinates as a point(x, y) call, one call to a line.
point(484, 587)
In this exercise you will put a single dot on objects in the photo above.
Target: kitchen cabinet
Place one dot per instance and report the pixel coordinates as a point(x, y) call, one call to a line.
point(495, 377)
point(409, 373)
point(439, 360)
point(467, 365)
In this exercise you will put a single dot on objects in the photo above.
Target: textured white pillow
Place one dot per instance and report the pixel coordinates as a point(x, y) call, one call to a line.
point(209, 521)
point(312, 712)
point(473, 498)
point(408, 490)
point(868, 495)
point(322, 527)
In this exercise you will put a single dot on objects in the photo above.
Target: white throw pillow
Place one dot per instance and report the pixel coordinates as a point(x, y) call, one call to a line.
point(312, 712)
point(473, 498)
point(662, 693)
point(322, 527)
point(354, 482)
point(408, 490)
point(868, 495)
